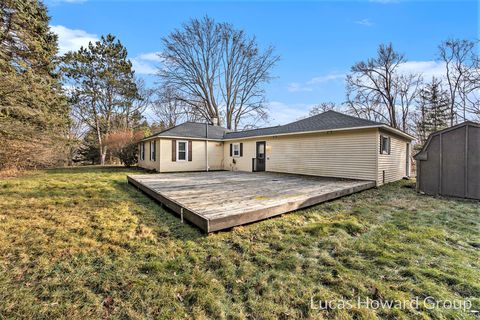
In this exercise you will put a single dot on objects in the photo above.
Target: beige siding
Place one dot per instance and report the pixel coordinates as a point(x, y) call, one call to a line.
point(395, 163)
point(198, 163)
point(339, 154)
point(243, 163)
point(344, 154)
point(147, 163)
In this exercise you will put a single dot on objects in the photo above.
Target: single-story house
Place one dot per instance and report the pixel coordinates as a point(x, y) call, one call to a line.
point(330, 144)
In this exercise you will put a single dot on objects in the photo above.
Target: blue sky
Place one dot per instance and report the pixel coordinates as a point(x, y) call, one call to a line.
point(318, 41)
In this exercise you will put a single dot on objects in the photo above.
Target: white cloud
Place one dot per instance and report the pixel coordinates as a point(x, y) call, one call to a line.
point(283, 113)
point(327, 78)
point(151, 56)
point(147, 63)
point(297, 87)
point(428, 69)
point(143, 67)
point(72, 39)
point(310, 84)
point(365, 22)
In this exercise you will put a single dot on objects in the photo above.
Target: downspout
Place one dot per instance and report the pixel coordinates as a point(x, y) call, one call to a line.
point(206, 146)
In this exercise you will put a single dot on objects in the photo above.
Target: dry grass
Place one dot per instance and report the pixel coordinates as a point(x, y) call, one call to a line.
point(80, 244)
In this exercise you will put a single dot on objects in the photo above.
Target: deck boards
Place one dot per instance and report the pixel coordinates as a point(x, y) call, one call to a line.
point(224, 199)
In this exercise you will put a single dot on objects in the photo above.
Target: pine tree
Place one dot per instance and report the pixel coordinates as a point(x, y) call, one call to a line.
point(434, 112)
point(33, 110)
point(104, 87)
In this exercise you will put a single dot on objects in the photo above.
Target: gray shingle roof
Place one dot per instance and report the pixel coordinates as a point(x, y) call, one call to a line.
point(192, 130)
point(328, 120)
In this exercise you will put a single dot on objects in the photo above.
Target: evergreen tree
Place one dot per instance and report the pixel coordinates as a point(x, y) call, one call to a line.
point(33, 111)
point(104, 87)
point(434, 109)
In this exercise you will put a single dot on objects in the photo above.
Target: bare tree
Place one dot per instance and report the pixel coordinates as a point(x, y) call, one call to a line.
point(323, 107)
point(218, 71)
point(376, 79)
point(459, 59)
point(138, 104)
point(470, 90)
point(407, 88)
point(168, 109)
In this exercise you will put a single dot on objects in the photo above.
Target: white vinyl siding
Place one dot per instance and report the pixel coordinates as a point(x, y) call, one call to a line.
point(348, 154)
point(340, 154)
point(146, 162)
point(198, 163)
point(395, 163)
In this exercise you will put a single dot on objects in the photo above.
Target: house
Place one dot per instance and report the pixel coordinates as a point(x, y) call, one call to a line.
point(449, 162)
point(330, 144)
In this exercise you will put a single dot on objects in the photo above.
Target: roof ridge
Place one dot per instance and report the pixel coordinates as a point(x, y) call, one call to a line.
point(280, 125)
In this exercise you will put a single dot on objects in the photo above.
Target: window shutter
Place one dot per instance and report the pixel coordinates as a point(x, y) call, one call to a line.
point(241, 149)
point(389, 145)
point(231, 149)
point(189, 150)
point(154, 150)
point(381, 144)
point(174, 150)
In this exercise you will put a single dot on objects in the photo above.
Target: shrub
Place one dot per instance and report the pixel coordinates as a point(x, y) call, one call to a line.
point(123, 144)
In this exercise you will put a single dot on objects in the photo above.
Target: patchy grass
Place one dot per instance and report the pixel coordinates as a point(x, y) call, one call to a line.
point(81, 243)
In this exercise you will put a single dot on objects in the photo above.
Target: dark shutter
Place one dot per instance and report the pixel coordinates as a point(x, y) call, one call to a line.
point(174, 150)
point(381, 144)
point(389, 144)
point(241, 149)
point(231, 150)
point(154, 150)
point(189, 150)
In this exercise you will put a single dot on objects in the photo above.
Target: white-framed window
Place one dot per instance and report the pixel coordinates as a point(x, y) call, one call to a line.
point(385, 144)
point(182, 150)
point(153, 151)
point(142, 151)
point(236, 150)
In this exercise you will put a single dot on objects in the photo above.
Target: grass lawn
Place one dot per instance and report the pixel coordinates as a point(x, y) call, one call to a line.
point(81, 243)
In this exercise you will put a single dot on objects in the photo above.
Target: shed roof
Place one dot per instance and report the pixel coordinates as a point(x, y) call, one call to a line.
point(421, 154)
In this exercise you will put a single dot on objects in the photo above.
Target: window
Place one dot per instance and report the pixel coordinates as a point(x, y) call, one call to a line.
point(142, 151)
point(182, 151)
point(153, 151)
point(236, 149)
point(384, 144)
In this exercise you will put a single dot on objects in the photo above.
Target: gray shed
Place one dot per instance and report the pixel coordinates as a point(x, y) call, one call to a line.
point(449, 162)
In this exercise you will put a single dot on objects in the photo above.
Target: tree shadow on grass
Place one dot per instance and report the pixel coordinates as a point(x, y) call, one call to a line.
point(94, 169)
point(166, 221)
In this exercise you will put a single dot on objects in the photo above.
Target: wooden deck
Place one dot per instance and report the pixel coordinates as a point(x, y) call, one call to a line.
point(218, 200)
